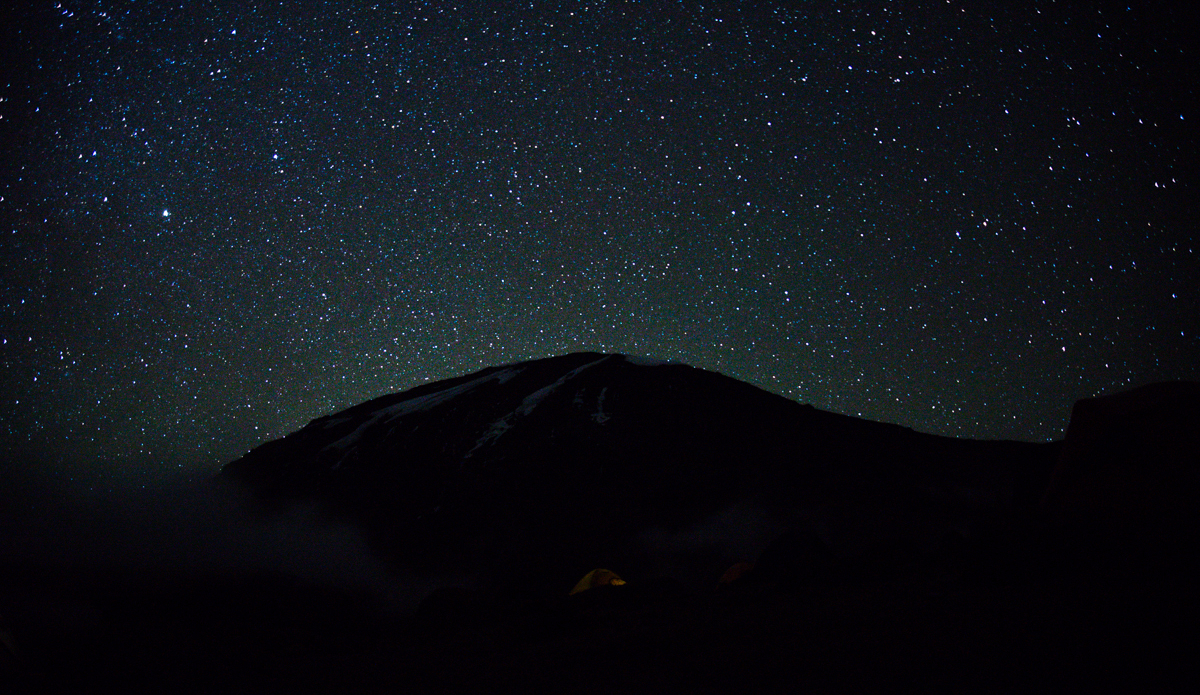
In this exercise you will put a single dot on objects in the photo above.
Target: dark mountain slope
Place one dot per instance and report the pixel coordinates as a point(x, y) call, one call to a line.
point(884, 558)
point(544, 469)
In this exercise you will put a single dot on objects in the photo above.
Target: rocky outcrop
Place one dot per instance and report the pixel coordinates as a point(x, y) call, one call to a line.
point(1130, 458)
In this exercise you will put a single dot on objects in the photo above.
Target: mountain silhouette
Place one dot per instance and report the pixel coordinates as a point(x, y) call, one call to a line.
point(597, 522)
point(539, 471)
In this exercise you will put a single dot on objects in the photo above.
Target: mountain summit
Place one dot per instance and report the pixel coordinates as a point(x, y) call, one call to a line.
point(712, 531)
point(548, 468)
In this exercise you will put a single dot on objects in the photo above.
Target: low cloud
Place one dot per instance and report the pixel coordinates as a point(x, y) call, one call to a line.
point(187, 528)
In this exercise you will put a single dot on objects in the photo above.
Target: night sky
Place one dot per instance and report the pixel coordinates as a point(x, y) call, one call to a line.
point(220, 222)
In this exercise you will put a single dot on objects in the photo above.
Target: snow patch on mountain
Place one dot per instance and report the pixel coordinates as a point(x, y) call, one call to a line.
point(528, 405)
point(600, 417)
point(412, 405)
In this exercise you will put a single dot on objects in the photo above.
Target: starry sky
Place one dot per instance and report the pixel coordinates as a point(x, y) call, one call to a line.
point(221, 220)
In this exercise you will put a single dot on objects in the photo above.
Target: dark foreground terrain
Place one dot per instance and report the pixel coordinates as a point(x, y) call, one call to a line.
point(953, 625)
point(763, 544)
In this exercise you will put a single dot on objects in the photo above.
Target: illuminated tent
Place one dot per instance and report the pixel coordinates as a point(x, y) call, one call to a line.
point(595, 578)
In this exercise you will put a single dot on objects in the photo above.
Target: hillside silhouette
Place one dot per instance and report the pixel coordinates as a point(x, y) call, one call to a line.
point(437, 540)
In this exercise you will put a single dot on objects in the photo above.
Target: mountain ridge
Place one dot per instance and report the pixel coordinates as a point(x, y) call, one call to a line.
point(656, 465)
point(427, 541)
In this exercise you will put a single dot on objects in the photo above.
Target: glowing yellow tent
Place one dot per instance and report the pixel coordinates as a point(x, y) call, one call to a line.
point(595, 578)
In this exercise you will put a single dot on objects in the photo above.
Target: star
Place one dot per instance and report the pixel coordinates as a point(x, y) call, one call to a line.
point(375, 202)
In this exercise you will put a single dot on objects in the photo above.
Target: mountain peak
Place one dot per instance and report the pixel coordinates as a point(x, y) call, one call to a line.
point(590, 458)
